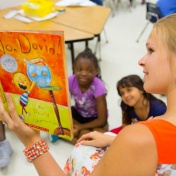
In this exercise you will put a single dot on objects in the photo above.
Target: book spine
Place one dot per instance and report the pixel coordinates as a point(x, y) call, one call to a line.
point(2, 94)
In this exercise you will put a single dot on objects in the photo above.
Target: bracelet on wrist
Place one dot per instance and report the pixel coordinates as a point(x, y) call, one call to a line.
point(36, 150)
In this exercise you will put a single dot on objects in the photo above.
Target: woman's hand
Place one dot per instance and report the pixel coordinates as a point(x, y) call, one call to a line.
point(96, 139)
point(27, 135)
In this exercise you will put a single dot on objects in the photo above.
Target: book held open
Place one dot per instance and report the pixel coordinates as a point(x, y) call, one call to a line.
point(33, 70)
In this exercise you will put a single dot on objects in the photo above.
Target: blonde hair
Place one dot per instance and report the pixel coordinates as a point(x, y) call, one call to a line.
point(165, 29)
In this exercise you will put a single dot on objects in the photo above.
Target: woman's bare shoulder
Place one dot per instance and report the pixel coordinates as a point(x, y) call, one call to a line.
point(133, 152)
point(138, 134)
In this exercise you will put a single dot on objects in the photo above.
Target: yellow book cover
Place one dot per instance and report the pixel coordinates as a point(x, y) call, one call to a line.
point(33, 70)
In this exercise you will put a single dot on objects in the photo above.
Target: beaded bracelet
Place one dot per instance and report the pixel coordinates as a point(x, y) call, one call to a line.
point(36, 150)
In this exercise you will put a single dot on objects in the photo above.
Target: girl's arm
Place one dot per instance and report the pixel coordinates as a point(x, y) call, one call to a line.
point(102, 109)
point(133, 152)
point(126, 120)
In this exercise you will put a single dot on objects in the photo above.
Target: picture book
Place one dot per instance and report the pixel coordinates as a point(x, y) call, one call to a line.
point(33, 70)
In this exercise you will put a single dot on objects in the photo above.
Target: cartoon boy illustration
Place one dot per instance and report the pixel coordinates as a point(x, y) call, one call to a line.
point(22, 82)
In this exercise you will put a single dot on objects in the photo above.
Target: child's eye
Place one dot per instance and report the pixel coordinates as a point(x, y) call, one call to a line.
point(129, 89)
point(78, 69)
point(121, 93)
point(90, 71)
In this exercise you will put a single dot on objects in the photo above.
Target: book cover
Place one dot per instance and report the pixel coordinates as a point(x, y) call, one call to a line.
point(33, 70)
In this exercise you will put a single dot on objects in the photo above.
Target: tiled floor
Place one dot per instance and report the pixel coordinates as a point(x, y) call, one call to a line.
point(119, 58)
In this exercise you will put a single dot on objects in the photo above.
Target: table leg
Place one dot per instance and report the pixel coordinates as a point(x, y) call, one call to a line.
point(98, 46)
point(87, 44)
point(72, 52)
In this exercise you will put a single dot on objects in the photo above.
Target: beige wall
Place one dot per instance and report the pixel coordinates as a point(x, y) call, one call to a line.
point(10, 3)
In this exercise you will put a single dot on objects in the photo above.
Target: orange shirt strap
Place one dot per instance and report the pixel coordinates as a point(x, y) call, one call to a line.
point(164, 133)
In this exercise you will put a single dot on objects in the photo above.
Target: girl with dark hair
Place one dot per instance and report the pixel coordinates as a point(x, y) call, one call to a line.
point(137, 104)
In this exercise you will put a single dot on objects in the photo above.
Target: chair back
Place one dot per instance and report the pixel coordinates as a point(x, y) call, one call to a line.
point(98, 2)
point(153, 12)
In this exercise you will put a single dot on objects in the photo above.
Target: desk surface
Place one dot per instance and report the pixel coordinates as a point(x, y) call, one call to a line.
point(78, 23)
point(70, 34)
point(88, 19)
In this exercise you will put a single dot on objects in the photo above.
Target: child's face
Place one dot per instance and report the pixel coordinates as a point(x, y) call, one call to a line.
point(131, 95)
point(85, 71)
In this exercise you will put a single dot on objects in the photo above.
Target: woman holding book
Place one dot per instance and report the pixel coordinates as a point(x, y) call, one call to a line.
point(138, 149)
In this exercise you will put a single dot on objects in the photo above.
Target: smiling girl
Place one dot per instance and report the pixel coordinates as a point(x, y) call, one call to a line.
point(137, 104)
point(89, 93)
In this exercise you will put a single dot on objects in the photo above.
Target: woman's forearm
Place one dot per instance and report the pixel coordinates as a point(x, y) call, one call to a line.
point(47, 166)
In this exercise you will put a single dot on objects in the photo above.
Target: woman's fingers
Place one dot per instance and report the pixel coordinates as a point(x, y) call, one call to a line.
point(9, 114)
point(88, 136)
point(87, 139)
point(3, 114)
point(96, 139)
point(88, 143)
point(27, 135)
point(11, 108)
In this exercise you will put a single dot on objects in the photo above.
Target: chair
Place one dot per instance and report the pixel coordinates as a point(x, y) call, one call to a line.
point(98, 43)
point(98, 2)
point(112, 4)
point(153, 15)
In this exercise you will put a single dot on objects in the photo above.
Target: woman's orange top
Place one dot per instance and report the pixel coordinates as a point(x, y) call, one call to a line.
point(164, 133)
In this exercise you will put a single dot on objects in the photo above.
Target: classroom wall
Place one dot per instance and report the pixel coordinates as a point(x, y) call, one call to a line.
point(10, 3)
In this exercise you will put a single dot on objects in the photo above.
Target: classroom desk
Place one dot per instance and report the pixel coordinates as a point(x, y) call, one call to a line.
point(88, 19)
point(78, 23)
point(71, 35)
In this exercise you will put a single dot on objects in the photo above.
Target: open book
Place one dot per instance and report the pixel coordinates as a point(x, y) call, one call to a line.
point(33, 70)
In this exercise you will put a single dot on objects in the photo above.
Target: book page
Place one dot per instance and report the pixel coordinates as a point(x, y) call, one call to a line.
point(33, 70)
